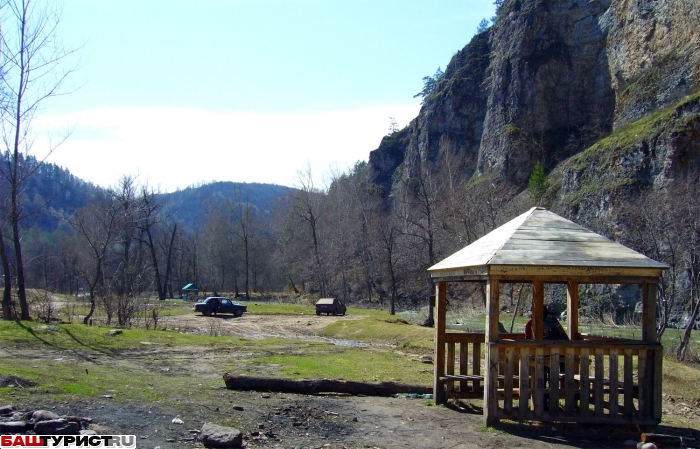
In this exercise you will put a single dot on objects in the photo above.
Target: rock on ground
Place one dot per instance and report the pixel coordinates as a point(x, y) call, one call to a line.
point(214, 435)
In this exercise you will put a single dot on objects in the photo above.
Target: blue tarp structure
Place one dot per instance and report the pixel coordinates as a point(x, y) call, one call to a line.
point(187, 289)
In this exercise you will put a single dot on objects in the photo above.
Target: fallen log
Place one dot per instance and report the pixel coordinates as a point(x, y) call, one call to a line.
point(312, 386)
point(662, 440)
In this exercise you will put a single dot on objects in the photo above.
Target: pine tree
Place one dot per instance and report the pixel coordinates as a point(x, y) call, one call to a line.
point(538, 184)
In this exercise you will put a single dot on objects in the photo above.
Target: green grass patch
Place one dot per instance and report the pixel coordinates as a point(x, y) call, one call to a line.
point(352, 364)
point(619, 141)
point(382, 328)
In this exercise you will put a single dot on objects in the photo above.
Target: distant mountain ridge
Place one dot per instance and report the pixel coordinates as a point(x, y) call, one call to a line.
point(189, 206)
point(52, 192)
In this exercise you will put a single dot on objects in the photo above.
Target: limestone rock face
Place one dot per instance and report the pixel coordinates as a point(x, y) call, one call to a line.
point(546, 82)
point(449, 127)
point(653, 50)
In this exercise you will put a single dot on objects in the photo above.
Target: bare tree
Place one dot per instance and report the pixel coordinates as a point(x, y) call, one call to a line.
point(97, 226)
point(244, 230)
point(7, 278)
point(148, 224)
point(306, 208)
point(32, 72)
point(652, 228)
point(421, 195)
point(688, 194)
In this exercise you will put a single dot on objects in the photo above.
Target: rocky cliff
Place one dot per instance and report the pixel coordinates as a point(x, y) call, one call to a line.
point(599, 92)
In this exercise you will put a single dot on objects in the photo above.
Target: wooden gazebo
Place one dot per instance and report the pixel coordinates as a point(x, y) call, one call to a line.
point(585, 379)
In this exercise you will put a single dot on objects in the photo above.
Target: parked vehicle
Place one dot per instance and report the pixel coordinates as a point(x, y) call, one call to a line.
point(219, 304)
point(330, 305)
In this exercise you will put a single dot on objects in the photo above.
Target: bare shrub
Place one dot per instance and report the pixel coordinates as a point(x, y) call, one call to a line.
point(150, 312)
point(214, 327)
point(42, 302)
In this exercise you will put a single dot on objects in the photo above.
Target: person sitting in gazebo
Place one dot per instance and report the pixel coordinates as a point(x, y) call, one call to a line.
point(552, 327)
point(552, 330)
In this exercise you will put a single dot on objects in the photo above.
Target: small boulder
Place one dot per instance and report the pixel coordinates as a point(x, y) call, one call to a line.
point(6, 410)
point(43, 415)
point(14, 427)
point(56, 427)
point(642, 445)
point(214, 435)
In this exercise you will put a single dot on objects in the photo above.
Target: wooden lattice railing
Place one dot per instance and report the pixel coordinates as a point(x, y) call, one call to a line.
point(609, 380)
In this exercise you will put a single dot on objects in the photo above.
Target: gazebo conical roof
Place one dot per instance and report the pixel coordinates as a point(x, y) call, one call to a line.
point(540, 238)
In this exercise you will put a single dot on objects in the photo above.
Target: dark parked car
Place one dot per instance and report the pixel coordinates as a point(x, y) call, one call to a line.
point(330, 305)
point(219, 304)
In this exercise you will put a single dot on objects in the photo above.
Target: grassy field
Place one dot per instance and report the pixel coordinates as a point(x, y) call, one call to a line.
point(71, 361)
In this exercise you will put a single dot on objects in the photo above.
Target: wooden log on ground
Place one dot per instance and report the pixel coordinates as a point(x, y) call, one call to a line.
point(662, 440)
point(313, 386)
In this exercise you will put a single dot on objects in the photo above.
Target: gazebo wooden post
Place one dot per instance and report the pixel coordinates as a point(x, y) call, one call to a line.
point(649, 312)
point(491, 375)
point(537, 306)
point(653, 368)
point(440, 322)
point(572, 309)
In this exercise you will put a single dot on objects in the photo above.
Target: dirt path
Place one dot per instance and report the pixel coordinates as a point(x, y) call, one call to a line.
point(254, 326)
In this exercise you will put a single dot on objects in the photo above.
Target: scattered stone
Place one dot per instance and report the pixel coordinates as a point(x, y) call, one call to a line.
point(427, 359)
point(646, 446)
point(56, 427)
point(177, 421)
point(71, 418)
point(43, 415)
point(8, 380)
point(14, 427)
point(88, 432)
point(265, 396)
point(238, 407)
point(116, 332)
point(107, 396)
point(49, 327)
point(7, 410)
point(214, 435)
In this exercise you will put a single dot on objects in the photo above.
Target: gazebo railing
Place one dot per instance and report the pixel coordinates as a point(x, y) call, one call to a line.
point(563, 381)
point(582, 381)
point(463, 365)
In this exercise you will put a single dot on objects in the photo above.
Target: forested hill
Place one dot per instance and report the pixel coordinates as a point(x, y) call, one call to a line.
point(50, 193)
point(191, 206)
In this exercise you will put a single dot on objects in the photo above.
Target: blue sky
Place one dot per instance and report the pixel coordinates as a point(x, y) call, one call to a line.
point(180, 92)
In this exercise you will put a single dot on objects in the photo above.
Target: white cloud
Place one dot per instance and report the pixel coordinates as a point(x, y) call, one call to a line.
point(177, 147)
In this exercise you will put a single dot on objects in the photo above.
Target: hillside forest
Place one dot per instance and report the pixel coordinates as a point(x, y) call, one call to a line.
point(590, 110)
